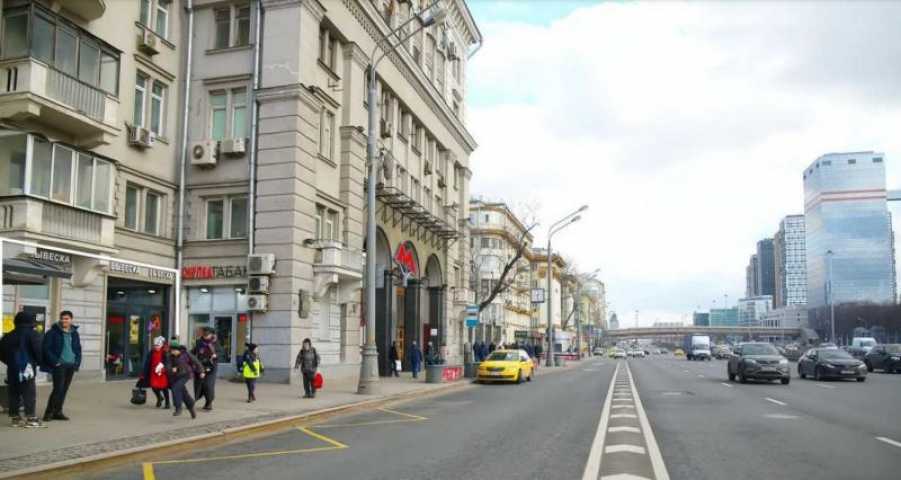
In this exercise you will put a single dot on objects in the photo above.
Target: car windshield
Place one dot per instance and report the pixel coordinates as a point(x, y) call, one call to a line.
point(894, 348)
point(503, 356)
point(759, 349)
point(834, 354)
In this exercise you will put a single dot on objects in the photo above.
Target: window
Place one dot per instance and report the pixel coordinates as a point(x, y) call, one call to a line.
point(140, 95)
point(15, 33)
point(326, 127)
point(232, 26)
point(156, 97)
point(877, 160)
point(156, 10)
point(33, 166)
point(485, 242)
point(327, 226)
point(328, 49)
point(226, 216)
point(228, 113)
point(143, 209)
point(157, 107)
point(416, 136)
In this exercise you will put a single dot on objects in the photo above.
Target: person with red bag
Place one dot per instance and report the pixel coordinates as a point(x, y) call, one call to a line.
point(308, 362)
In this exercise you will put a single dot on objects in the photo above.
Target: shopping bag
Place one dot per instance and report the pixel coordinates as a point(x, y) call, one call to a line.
point(317, 381)
point(397, 365)
point(138, 396)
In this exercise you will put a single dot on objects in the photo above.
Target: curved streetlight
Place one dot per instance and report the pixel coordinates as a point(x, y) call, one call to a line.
point(556, 227)
point(369, 364)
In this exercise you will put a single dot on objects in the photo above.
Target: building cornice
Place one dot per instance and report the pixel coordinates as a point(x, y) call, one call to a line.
point(295, 91)
point(349, 132)
point(352, 51)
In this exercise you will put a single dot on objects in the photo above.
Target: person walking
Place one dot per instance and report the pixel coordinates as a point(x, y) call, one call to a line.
point(415, 359)
point(206, 350)
point(61, 351)
point(21, 351)
point(308, 362)
point(251, 370)
point(395, 359)
point(492, 348)
point(182, 366)
point(155, 374)
point(476, 351)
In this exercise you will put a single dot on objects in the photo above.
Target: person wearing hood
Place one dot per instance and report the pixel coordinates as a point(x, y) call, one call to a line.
point(206, 350)
point(251, 369)
point(307, 361)
point(415, 358)
point(62, 358)
point(155, 370)
point(182, 366)
point(21, 351)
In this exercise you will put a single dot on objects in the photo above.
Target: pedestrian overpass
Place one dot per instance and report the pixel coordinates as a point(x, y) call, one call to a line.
point(720, 331)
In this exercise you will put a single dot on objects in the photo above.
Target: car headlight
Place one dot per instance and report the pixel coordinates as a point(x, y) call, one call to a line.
point(783, 362)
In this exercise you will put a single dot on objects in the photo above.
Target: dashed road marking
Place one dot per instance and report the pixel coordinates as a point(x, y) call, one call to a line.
point(624, 429)
point(593, 466)
point(659, 467)
point(624, 448)
point(889, 441)
point(623, 415)
point(780, 416)
point(726, 384)
point(624, 476)
point(824, 386)
point(777, 402)
point(622, 406)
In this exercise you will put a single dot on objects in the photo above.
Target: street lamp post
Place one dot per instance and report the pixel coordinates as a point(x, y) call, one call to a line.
point(829, 255)
point(369, 376)
point(556, 227)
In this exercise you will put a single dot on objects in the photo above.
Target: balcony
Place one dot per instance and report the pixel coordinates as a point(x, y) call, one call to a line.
point(25, 217)
point(86, 9)
point(464, 296)
point(414, 215)
point(30, 91)
point(335, 264)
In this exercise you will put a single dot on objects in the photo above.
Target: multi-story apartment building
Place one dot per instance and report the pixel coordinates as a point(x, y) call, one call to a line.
point(791, 262)
point(89, 133)
point(846, 214)
point(496, 237)
point(555, 296)
point(273, 163)
point(766, 267)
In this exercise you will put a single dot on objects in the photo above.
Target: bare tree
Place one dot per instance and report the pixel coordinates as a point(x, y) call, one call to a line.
point(503, 283)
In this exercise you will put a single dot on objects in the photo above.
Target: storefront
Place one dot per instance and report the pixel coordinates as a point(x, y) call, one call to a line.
point(217, 299)
point(136, 313)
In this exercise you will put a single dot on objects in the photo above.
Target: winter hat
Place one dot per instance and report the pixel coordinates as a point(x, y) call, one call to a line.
point(159, 341)
point(24, 319)
point(175, 345)
point(250, 346)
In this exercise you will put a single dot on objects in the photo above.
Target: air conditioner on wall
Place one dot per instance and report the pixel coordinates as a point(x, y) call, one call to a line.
point(257, 303)
point(204, 153)
point(233, 146)
point(261, 264)
point(140, 137)
point(148, 42)
point(258, 284)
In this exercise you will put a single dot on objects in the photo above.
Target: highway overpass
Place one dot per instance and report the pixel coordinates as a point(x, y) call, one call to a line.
point(655, 332)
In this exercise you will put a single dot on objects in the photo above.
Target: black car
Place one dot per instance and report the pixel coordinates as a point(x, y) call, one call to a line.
point(885, 357)
point(856, 352)
point(758, 361)
point(823, 363)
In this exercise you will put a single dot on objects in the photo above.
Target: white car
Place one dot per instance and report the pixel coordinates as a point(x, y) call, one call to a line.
point(636, 353)
point(619, 353)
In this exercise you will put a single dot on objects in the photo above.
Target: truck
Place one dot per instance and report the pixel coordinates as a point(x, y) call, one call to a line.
point(866, 343)
point(697, 347)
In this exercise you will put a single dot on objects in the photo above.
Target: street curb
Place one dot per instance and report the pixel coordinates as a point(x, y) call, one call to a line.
point(86, 461)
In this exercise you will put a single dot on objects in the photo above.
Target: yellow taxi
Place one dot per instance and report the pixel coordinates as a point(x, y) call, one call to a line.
point(678, 352)
point(506, 366)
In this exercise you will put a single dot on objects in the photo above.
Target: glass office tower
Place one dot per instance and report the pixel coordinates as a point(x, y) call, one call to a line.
point(846, 213)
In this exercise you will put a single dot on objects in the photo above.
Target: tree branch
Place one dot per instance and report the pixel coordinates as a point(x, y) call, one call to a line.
point(501, 286)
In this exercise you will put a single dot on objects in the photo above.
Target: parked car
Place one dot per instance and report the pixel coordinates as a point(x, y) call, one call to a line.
point(823, 363)
point(828, 345)
point(856, 352)
point(759, 361)
point(512, 365)
point(884, 357)
point(598, 351)
point(636, 353)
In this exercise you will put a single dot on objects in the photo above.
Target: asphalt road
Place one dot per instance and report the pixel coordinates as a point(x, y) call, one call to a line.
point(586, 423)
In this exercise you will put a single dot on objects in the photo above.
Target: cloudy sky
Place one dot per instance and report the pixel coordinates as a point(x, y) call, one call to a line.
point(684, 126)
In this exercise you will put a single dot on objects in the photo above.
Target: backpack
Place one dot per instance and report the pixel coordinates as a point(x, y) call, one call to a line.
point(23, 364)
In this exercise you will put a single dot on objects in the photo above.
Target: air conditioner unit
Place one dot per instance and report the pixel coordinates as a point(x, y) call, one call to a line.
point(204, 154)
point(233, 147)
point(148, 42)
point(261, 264)
point(427, 168)
point(258, 284)
point(386, 128)
point(141, 137)
point(257, 303)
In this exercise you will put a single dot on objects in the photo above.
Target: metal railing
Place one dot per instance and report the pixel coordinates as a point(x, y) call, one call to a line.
point(80, 96)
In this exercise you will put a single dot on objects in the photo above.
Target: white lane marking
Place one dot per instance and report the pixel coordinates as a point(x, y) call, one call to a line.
point(623, 415)
point(622, 399)
point(700, 375)
point(823, 386)
point(777, 402)
point(726, 384)
point(624, 476)
point(889, 441)
point(593, 465)
point(671, 394)
point(660, 472)
point(624, 429)
point(622, 406)
point(686, 371)
point(624, 448)
point(780, 416)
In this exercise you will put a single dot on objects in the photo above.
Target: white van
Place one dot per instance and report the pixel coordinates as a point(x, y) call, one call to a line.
point(866, 343)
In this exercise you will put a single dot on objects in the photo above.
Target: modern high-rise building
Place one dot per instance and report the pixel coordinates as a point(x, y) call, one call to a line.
point(613, 324)
point(723, 317)
point(751, 276)
point(766, 267)
point(848, 229)
point(701, 319)
point(791, 262)
point(752, 310)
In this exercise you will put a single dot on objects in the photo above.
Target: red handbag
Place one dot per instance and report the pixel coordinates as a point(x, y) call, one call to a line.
point(317, 381)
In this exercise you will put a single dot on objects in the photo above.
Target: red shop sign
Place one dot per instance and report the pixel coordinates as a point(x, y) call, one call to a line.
point(404, 258)
point(197, 272)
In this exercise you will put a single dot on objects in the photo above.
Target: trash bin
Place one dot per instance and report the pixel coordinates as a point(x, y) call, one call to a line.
point(434, 373)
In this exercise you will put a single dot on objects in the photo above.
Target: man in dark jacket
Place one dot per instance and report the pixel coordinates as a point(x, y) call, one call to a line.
point(20, 350)
point(62, 358)
point(182, 366)
point(307, 361)
point(206, 350)
point(415, 359)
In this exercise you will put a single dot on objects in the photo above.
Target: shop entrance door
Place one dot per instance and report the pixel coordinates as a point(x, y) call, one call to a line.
point(135, 315)
point(223, 325)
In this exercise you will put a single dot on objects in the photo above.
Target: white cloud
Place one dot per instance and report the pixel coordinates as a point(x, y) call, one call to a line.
point(684, 126)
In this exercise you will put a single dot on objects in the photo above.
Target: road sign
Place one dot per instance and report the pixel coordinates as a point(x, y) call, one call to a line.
point(472, 322)
point(537, 295)
point(472, 316)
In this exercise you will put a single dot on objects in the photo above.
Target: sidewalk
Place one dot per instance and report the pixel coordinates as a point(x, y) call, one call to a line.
point(103, 420)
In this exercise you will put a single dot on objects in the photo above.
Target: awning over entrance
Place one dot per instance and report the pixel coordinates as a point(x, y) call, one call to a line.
point(27, 271)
